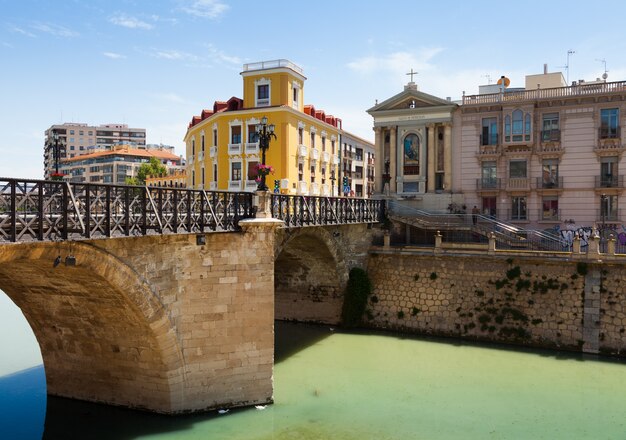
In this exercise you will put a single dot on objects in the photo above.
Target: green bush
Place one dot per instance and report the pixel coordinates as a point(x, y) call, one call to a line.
point(355, 300)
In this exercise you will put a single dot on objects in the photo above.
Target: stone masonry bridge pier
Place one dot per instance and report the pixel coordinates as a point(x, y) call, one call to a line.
point(163, 299)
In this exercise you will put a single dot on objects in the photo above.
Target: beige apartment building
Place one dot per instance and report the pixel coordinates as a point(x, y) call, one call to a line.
point(546, 156)
point(76, 139)
point(357, 167)
point(117, 164)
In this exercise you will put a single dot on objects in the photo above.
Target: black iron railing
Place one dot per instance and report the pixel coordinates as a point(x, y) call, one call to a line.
point(298, 211)
point(38, 210)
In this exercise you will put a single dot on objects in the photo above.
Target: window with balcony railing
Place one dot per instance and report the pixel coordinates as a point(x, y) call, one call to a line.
point(489, 135)
point(609, 123)
point(550, 130)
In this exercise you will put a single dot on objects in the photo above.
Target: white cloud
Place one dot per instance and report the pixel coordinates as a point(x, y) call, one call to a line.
point(9, 45)
point(175, 55)
point(204, 8)
point(130, 22)
point(113, 55)
point(397, 62)
point(53, 29)
point(219, 55)
point(19, 30)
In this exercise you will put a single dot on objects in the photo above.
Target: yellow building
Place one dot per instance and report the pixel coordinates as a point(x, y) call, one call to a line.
point(177, 179)
point(222, 147)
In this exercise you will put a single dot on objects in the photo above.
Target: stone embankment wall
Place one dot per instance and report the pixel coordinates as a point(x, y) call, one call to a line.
point(537, 301)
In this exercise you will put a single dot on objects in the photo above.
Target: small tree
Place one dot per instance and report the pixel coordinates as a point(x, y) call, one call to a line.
point(152, 168)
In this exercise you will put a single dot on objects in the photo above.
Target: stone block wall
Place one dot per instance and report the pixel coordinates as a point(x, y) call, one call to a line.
point(311, 270)
point(156, 322)
point(531, 301)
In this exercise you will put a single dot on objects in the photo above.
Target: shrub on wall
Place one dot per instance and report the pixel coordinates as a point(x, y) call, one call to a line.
point(355, 301)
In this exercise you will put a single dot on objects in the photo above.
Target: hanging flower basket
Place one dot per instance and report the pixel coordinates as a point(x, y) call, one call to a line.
point(57, 176)
point(263, 170)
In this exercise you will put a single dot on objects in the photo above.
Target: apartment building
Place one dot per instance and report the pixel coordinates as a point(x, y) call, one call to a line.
point(223, 148)
point(545, 156)
point(117, 164)
point(357, 166)
point(76, 139)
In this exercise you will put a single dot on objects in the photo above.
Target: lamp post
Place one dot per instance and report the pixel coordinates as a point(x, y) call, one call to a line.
point(56, 154)
point(603, 209)
point(265, 133)
point(332, 179)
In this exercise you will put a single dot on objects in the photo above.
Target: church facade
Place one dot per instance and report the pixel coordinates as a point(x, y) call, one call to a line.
point(414, 148)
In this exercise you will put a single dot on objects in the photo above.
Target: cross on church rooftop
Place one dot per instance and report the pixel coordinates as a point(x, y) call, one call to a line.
point(412, 73)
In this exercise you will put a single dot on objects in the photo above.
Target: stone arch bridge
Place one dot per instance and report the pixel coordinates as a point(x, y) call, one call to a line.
point(134, 302)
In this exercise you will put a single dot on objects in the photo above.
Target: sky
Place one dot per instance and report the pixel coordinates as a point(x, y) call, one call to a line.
point(155, 64)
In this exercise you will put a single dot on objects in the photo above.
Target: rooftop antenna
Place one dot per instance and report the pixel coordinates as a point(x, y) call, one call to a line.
point(566, 67)
point(488, 78)
point(605, 75)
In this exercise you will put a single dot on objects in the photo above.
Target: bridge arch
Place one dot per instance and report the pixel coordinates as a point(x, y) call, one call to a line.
point(104, 334)
point(310, 274)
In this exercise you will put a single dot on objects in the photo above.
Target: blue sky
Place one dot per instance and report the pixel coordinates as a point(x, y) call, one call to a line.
point(154, 64)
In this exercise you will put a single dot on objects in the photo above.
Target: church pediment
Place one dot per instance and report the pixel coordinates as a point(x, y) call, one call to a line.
point(410, 98)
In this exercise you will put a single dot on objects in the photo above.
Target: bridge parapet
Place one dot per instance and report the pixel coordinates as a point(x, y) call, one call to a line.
point(299, 211)
point(39, 210)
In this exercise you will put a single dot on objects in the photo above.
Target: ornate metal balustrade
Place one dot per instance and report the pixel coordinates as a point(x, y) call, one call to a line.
point(38, 210)
point(298, 211)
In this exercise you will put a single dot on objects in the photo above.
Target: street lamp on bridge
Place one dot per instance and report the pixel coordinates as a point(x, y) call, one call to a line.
point(265, 134)
point(332, 179)
point(56, 147)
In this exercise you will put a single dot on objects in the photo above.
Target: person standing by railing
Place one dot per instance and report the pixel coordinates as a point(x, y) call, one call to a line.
point(475, 213)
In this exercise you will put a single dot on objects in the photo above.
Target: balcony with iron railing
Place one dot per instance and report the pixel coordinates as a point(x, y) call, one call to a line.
point(609, 181)
point(552, 135)
point(486, 184)
point(608, 216)
point(302, 150)
point(607, 132)
point(609, 142)
point(575, 91)
point(335, 160)
point(325, 157)
point(213, 152)
point(490, 139)
point(549, 183)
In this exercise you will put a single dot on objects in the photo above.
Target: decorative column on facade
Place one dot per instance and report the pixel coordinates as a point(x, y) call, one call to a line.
point(393, 157)
point(447, 156)
point(431, 158)
point(380, 159)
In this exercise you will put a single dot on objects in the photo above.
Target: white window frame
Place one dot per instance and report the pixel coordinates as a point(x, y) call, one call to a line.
point(262, 102)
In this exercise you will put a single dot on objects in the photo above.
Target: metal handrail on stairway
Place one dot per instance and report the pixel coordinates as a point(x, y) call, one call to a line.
point(507, 235)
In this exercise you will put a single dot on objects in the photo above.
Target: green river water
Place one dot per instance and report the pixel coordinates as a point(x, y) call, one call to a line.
point(335, 385)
